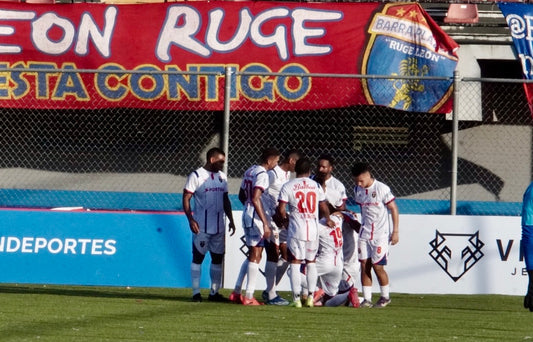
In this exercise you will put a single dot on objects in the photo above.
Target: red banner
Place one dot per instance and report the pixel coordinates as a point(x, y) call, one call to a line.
point(155, 40)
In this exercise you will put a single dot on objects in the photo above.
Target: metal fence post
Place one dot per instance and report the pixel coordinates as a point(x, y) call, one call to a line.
point(455, 132)
point(225, 133)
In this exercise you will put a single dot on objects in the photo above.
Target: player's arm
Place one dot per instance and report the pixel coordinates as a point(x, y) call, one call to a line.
point(193, 225)
point(242, 196)
point(341, 207)
point(395, 214)
point(282, 212)
point(258, 205)
point(229, 214)
point(324, 212)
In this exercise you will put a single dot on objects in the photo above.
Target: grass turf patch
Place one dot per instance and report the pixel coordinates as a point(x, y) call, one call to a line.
point(61, 313)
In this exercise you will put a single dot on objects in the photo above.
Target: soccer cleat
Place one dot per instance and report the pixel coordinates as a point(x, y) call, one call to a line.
point(217, 297)
point(366, 304)
point(235, 297)
point(197, 298)
point(249, 301)
point(296, 304)
point(309, 302)
point(382, 302)
point(353, 297)
point(317, 296)
point(277, 301)
point(265, 296)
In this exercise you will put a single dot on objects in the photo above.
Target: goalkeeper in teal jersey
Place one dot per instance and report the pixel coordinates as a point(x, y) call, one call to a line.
point(527, 242)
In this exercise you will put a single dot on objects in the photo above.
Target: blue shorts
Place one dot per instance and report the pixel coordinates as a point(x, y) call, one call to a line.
point(527, 246)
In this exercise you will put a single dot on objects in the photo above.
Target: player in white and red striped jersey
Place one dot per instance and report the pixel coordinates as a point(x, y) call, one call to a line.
point(255, 221)
point(209, 188)
point(305, 200)
point(375, 200)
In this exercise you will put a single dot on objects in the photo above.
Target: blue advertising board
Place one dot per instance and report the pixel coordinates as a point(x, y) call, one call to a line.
point(96, 248)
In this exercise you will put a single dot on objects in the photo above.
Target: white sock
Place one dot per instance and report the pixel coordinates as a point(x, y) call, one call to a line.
point(281, 269)
point(253, 269)
point(270, 277)
point(216, 277)
point(367, 293)
point(312, 277)
point(196, 270)
point(385, 291)
point(240, 278)
point(296, 284)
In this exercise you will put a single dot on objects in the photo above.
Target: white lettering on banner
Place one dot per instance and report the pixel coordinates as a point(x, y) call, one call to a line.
point(87, 30)
point(182, 24)
point(35, 245)
point(403, 29)
point(520, 27)
point(527, 62)
point(412, 50)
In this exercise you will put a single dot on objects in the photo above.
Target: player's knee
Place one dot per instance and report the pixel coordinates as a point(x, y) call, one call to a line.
point(217, 258)
point(197, 257)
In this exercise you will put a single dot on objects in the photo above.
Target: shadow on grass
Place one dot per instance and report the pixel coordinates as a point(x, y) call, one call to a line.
point(100, 292)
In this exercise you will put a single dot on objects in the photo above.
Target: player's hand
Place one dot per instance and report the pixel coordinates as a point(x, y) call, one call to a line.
point(330, 223)
point(394, 238)
point(528, 302)
point(195, 228)
point(231, 228)
point(267, 231)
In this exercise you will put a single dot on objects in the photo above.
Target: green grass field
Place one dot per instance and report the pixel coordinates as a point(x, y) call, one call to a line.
point(60, 313)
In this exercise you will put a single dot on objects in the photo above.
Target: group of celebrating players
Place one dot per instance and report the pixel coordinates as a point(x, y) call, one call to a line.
point(300, 219)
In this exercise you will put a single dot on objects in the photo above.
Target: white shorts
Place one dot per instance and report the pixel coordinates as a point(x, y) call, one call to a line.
point(253, 231)
point(283, 236)
point(279, 235)
point(274, 233)
point(303, 250)
point(329, 275)
point(214, 243)
point(377, 250)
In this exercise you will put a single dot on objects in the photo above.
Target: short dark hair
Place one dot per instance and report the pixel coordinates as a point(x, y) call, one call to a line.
point(213, 152)
point(268, 153)
point(360, 168)
point(303, 165)
point(327, 157)
point(292, 152)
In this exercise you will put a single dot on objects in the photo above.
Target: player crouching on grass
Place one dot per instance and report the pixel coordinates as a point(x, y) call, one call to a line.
point(329, 263)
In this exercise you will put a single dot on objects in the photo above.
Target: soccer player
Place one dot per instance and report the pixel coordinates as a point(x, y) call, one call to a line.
point(527, 242)
point(209, 187)
point(333, 188)
point(329, 263)
point(306, 201)
point(375, 200)
point(336, 197)
point(277, 244)
point(255, 221)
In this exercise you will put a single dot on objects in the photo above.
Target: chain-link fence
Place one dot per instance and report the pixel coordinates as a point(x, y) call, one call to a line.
point(138, 158)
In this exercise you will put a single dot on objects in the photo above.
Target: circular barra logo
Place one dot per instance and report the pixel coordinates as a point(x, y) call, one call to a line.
point(402, 45)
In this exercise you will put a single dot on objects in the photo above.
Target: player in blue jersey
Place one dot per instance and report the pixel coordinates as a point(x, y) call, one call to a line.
point(527, 242)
